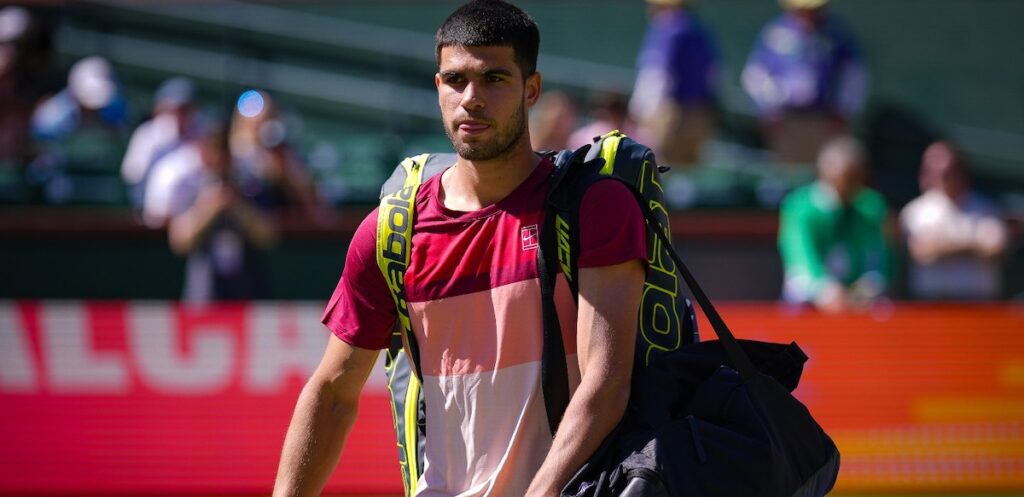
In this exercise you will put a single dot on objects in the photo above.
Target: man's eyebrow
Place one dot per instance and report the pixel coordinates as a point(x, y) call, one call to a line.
point(487, 71)
point(497, 71)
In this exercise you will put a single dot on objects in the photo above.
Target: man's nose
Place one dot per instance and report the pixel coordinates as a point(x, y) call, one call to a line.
point(472, 97)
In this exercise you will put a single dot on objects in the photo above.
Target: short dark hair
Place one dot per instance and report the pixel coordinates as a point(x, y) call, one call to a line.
point(483, 23)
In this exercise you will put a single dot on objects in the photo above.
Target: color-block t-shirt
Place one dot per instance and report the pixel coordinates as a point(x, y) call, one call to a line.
point(474, 300)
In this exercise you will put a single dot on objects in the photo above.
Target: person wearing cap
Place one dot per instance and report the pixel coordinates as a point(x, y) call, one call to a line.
point(81, 134)
point(674, 98)
point(806, 78)
point(92, 97)
point(955, 237)
point(170, 126)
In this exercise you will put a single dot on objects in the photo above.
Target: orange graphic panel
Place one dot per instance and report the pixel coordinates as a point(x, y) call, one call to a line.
point(917, 397)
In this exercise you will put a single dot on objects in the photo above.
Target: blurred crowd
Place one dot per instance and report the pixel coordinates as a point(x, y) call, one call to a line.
point(210, 179)
point(213, 179)
point(804, 75)
point(836, 246)
point(807, 81)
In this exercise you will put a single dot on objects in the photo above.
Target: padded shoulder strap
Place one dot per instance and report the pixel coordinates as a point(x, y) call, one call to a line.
point(606, 147)
point(394, 238)
point(431, 165)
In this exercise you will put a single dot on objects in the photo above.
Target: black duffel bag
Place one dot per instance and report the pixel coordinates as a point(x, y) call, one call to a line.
point(713, 419)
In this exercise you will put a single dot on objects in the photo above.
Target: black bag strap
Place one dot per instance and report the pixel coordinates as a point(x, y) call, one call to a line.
point(553, 369)
point(739, 359)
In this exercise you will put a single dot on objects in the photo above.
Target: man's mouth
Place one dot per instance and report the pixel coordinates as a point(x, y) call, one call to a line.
point(473, 127)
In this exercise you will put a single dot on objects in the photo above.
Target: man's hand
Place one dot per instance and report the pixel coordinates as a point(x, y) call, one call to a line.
point(186, 230)
point(609, 300)
point(216, 199)
point(832, 299)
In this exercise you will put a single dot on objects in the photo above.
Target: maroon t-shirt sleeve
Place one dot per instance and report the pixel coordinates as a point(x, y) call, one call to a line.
point(361, 311)
point(612, 228)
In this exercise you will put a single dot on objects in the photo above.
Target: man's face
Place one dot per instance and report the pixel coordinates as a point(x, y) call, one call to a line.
point(813, 16)
point(483, 100)
point(847, 177)
point(941, 169)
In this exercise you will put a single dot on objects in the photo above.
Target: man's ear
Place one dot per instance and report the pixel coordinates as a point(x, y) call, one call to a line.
point(437, 80)
point(533, 87)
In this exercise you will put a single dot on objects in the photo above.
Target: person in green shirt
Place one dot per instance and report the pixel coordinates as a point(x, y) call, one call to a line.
point(832, 234)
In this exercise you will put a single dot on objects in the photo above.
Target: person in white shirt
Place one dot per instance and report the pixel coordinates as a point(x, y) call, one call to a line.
point(170, 127)
point(955, 236)
point(193, 192)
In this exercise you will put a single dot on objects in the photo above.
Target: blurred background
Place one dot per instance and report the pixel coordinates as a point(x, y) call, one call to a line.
point(179, 183)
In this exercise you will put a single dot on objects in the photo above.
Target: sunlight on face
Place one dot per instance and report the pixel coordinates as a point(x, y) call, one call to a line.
point(483, 98)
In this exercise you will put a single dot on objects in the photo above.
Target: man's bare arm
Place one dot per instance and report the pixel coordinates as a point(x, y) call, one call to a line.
point(606, 335)
point(324, 414)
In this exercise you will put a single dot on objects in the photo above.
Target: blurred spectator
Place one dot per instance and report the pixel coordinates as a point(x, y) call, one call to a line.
point(954, 235)
point(674, 97)
point(82, 135)
point(270, 171)
point(210, 220)
point(806, 78)
point(92, 96)
point(552, 121)
point(172, 122)
point(831, 234)
point(609, 111)
point(25, 50)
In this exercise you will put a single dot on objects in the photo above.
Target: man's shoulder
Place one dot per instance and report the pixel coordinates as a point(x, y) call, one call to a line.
point(368, 226)
point(605, 195)
point(800, 197)
point(919, 204)
point(181, 161)
point(362, 249)
point(145, 130)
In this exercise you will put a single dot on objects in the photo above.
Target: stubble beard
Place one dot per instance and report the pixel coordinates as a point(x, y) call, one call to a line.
point(507, 139)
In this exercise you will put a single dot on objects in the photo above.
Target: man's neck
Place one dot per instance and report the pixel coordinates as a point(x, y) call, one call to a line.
point(957, 196)
point(473, 185)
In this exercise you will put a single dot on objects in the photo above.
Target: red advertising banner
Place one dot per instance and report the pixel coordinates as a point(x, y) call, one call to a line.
point(153, 398)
